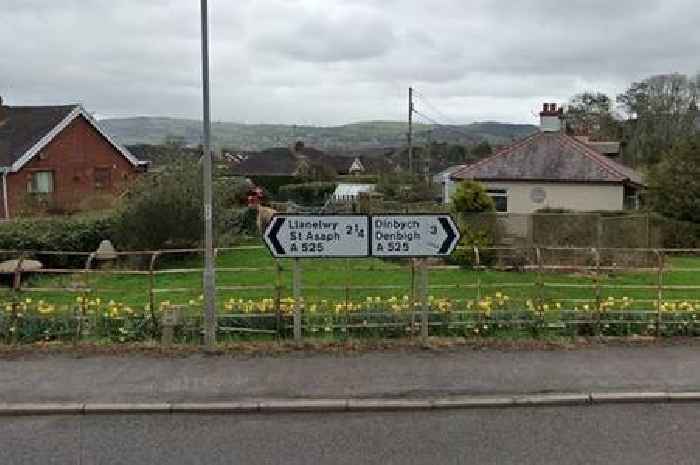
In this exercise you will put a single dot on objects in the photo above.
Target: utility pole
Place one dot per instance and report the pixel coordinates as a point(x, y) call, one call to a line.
point(428, 156)
point(209, 283)
point(410, 130)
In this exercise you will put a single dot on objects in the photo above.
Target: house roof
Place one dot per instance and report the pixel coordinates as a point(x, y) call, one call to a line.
point(553, 157)
point(284, 162)
point(271, 162)
point(25, 131)
point(604, 147)
point(439, 177)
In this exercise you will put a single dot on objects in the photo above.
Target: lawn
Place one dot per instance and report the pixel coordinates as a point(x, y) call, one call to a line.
point(250, 273)
point(349, 297)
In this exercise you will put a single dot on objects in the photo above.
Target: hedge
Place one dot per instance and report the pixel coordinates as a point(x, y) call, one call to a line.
point(311, 193)
point(69, 234)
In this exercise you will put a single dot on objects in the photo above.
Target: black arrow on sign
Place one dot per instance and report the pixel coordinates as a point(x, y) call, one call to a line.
point(450, 236)
point(273, 236)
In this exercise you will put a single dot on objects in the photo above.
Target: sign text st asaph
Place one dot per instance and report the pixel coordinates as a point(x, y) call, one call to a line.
point(305, 236)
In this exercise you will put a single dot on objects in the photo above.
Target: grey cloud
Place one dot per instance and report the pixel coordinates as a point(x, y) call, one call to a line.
point(351, 35)
point(335, 61)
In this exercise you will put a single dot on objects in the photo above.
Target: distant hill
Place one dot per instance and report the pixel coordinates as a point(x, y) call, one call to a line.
point(152, 130)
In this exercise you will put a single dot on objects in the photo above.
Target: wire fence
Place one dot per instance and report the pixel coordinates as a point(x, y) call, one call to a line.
point(156, 295)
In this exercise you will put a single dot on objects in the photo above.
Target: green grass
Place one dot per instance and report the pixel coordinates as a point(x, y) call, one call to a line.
point(354, 280)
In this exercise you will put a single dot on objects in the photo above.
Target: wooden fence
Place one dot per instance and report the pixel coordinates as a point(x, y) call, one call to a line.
point(552, 288)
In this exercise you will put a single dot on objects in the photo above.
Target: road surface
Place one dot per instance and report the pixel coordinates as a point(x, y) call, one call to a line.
point(635, 434)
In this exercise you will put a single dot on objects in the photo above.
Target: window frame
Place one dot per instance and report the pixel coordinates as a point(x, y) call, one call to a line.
point(98, 186)
point(498, 195)
point(32, 184)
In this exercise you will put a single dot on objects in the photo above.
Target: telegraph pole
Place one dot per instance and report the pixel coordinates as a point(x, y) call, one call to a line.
point(410, 130)
point(209, 283)
point(428, 156)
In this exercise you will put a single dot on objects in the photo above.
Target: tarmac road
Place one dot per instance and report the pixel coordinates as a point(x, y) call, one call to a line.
point(636, 434)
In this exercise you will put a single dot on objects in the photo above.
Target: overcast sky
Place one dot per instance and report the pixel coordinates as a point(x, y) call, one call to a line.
point(338, 61)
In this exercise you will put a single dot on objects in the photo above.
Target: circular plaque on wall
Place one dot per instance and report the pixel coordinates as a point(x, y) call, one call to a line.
point(538, 194)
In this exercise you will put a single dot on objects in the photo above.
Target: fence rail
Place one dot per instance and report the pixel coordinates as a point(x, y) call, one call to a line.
point(533, 289)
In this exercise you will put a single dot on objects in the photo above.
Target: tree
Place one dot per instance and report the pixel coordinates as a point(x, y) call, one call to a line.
point(468, 204)
point(471, 197)
point(456, 154)
point(405, 188)
point(590, 114)
point(482, 150)
point(661, 111)
point(674, 190)
point(165, 209)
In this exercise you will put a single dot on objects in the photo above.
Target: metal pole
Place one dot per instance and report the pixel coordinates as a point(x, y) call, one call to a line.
point(209, 283)
point(410, 130)
point(296, 292)
point(424, 318)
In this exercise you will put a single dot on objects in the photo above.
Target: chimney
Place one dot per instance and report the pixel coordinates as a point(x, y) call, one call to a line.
point(551, 118)
point(3, 111)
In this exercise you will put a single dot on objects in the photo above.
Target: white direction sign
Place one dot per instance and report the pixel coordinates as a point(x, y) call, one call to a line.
point(421, 235)
point(297, 236)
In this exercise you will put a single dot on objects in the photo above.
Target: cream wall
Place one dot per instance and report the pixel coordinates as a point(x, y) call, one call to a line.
point(571, 196)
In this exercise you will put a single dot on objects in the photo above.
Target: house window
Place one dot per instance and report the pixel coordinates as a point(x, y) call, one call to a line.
point(103, 178)
point(500, 199)
point(41, 182)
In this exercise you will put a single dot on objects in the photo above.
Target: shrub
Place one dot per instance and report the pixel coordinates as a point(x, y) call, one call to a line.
point(310, 193)
point(468, 205)
point(405, 188)
point(164, 210)
point(674, 190)
point(70, 234)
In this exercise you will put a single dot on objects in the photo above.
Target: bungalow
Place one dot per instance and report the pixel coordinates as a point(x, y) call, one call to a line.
point(59, 157)
point(553, 169)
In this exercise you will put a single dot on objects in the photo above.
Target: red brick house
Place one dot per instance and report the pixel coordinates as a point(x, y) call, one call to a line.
point(59, 158)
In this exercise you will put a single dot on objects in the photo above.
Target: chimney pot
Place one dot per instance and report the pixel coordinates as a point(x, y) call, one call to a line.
point(551, 118)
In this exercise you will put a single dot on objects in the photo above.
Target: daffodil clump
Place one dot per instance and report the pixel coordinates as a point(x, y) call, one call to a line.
point(29, 319)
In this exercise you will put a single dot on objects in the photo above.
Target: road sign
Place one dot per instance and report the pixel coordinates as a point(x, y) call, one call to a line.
point(420, 235)
point(307, 236)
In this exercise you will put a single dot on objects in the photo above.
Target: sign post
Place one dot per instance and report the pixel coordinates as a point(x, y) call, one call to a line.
point(316, 236)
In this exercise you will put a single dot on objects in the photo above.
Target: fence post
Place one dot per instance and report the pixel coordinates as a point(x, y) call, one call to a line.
point(599, 231)
point(412, 301)
point(596, 284)
point(151, 293)
point(540, 286)
point(425, 307)
point(348, 284)
point(16, 290)
point(659, 289)
point(278, 298)
point(477, 261)
point(83, 301)
point(296, 291)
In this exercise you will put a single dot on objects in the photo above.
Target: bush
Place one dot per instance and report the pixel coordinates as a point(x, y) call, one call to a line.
point(468, 205)
point(164, 210)
point(405, 188)
point(674, 190)
point(310, 193)
point(70, 234)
